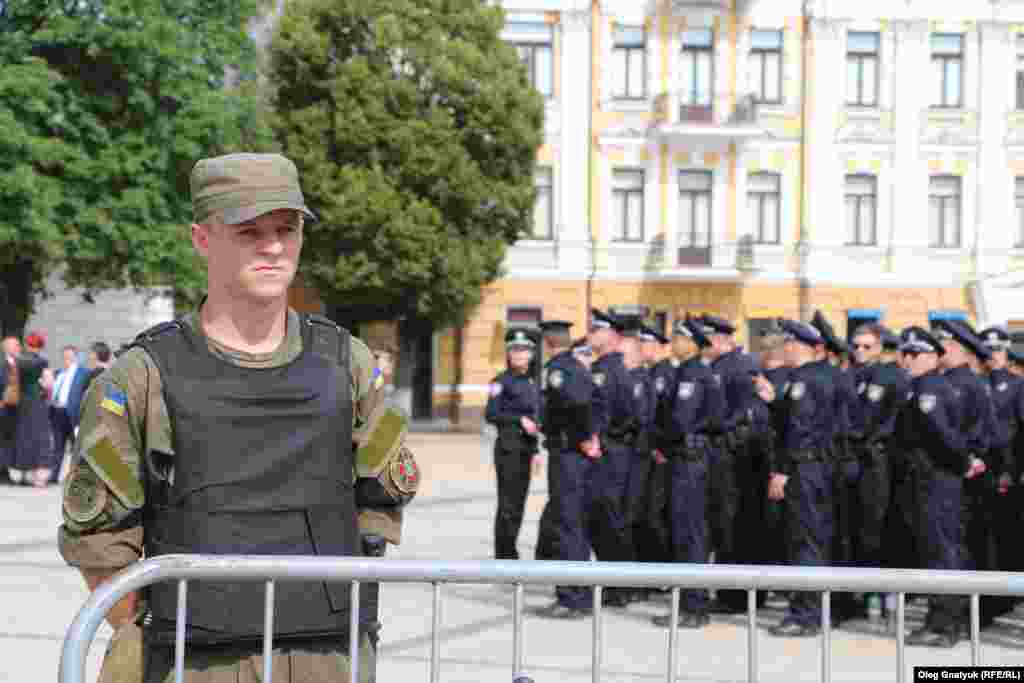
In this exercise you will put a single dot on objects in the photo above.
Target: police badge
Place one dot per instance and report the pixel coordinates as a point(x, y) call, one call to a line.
point(861, 387)
point(556, 379)
point(875, 393)
point(638, 390)
point(927, 402)
point(1001, 387)
point(686, 390)
point(797, 391)
point(659, 385)
point(599, 379)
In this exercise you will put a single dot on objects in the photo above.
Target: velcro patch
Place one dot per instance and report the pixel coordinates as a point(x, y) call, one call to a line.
point(386, 432)
point(85, 496)
point(114, 400)
point(107, 463)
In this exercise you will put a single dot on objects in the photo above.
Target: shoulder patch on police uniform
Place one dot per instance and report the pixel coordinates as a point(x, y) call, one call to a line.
point(599, 379)
point(875, 393)
point(1002, 386)
point(85, 496)
point(638, 390)
point(495, 389)
point(556, 379)
point(102, 454)
point(927, 402)
point(659, 385)
point(114, 400)
point(378, 378)
point(685, 390)
point(861, 387)
point(797, 391)
point(718, 379)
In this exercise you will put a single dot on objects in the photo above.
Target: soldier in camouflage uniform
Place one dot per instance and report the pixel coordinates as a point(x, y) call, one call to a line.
point(219, 433)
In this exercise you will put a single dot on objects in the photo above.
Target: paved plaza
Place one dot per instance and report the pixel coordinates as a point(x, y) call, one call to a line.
point(452, 519)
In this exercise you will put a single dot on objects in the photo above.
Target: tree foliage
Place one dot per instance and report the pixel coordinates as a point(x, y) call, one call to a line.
point(416, 131)
point(105, 105)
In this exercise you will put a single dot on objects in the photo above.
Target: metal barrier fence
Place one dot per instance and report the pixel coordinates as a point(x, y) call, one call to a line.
point(752, 578)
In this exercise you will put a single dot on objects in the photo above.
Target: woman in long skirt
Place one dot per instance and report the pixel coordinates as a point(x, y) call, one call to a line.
point(32, 433)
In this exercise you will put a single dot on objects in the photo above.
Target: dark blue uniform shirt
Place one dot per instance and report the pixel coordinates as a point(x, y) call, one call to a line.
point(931, 421)
point(568, 399)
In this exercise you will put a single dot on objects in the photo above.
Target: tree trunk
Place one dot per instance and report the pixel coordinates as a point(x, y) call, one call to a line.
point(456, 404)
point(17, 285)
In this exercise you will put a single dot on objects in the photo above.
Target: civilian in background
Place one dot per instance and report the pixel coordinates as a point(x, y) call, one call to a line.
point(10, 348)
point(32, 447)
point(65, 404)
point(100, 358)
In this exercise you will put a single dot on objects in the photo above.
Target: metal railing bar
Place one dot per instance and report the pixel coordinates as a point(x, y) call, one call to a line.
point(975, 630)
point(826, 637)
point(901, 646)
point(353, 634)
point(752, 662)
point(179, 632)
point(435, 637)
point(517, 630)
point(268, 633)
point(596, 644)
point(673, 638)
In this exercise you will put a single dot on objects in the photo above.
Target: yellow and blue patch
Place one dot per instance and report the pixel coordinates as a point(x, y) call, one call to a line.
point(114, 400)
point(378, 378)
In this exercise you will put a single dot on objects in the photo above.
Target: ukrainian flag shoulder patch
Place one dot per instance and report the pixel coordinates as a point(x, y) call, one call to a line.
point(114, 400)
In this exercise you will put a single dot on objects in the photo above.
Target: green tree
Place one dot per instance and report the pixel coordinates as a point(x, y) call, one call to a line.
point(104, 107)
point(416, 131)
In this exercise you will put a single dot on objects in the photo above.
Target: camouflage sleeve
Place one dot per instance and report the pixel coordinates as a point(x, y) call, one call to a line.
point(123, 413)
point(387, 474)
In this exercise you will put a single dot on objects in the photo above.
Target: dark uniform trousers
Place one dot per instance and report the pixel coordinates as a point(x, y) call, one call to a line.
point(550, 517)
point(900, 533)
point(637, 503)
point(609, 532)
point(688, 504)
point(512, 455)
point(940, 496)
point(576, 495)
point(722, 494)
point(809, 528)
point(873, 496)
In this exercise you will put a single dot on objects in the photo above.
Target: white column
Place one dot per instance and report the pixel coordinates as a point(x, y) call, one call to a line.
point(574, 221)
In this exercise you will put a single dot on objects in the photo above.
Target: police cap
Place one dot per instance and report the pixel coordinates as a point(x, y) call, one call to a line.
point(555, 325)
point(919, 340)
point(793, 330)
point(716, 325)
point(890, 340)
point(961, 332)
point(828, 334)
point(518, 338)
point(600, 320)
point(651, 335)
point(995, 338)
point(692, 328)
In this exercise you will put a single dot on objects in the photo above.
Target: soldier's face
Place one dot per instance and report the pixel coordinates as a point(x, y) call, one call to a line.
point(998, 361)
point(255, 260)
point(683, 346)
point(955, 355)
point(920, 363)
point(650, 351)
point(519, 358)
point(866, 348)
point(602, 338)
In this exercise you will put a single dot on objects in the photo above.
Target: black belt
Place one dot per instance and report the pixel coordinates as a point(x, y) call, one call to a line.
point(803, 457)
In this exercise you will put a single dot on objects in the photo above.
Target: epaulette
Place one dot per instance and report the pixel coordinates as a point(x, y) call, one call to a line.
point(329, 339)
point(157, 330)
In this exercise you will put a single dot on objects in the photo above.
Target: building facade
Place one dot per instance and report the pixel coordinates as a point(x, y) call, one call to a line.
point(763, 159)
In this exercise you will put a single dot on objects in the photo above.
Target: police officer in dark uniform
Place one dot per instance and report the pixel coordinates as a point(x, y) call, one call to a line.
point(735, 504)
point(619, 412)
point(930, 441)
point(977, 414)
point(514, 408)
point(882, 388)
point(846, 476)
point(689, 414)
point(570, 438)
point(801, 475)
point(1016, 363)
point(556, 342)
point(770, 548)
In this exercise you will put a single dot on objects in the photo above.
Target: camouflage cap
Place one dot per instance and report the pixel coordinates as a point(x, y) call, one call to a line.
point(244, 186)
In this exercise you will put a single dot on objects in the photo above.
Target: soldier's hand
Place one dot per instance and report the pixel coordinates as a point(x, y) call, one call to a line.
point(1005, 481)
point(591, 448)
point(764, 388)
point(777, 486)
point(977, 467)
point(659, 457)
point(536, 465)
point(529, 426)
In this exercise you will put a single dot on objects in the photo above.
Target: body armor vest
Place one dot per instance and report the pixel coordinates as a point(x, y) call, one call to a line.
point(263, 465)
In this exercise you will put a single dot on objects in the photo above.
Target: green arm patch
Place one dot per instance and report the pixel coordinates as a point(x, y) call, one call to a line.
point(85, 497)
point(119, 478)
point(385, 434)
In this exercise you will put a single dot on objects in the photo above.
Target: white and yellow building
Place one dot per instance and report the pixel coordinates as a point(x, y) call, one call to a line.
point(763, 158)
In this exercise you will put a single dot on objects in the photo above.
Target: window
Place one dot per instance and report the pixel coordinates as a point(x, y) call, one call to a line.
point(1020, 71)
point(944, 211)
point(861, 210)
point(764, 206)
point(694, 209)
point(630, 58)
point(543, 206)
point(534, 42)
point(766, 65)
point(855, 317)
point(524, 316)
point(1018, 200)
point(628, 206)
point(862, 69)
point(948, 67)
point(696, 73)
